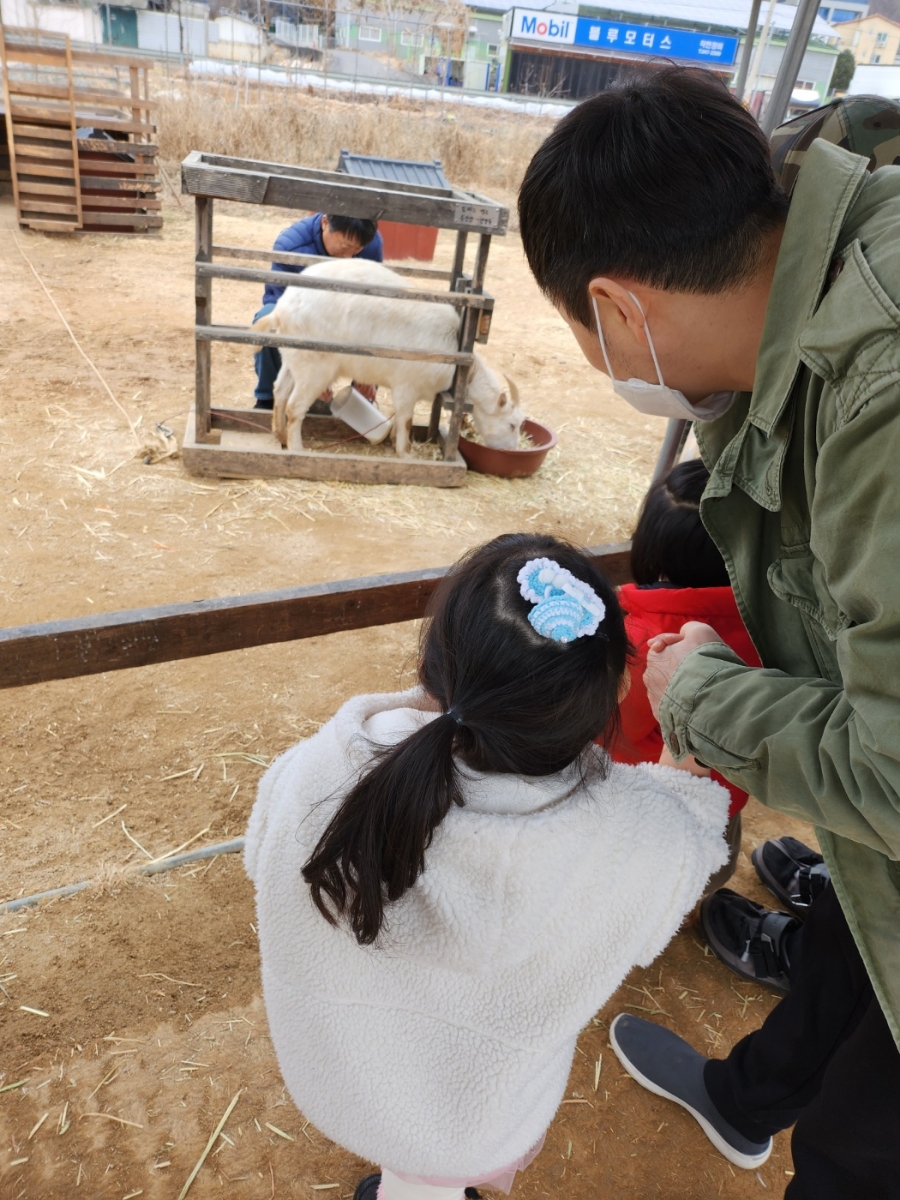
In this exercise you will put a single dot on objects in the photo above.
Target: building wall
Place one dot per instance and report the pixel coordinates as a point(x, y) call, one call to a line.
point(484, 44)
point(880, 80)
point(872, 40)
point(816, 67)
point(161, 33)
point(81, 24)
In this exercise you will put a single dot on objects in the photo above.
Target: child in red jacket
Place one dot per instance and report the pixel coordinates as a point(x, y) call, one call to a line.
point(679, 575)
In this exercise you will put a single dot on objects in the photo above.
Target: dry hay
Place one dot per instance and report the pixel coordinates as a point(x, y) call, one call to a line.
point(588, 485)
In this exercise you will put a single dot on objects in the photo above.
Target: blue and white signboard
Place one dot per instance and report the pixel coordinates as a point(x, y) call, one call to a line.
point(683, 44)
point(654, 40)
point(543, 27)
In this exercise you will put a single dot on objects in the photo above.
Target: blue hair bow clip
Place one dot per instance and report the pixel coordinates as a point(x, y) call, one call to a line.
point(566, 608)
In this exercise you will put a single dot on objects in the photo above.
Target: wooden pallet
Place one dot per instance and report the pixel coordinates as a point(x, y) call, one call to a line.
point(103, 182)
point(39, 103)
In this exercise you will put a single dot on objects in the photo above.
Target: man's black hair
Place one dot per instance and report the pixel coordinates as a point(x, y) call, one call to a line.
point(664, 179)
point(670, 541)
point(358, 228)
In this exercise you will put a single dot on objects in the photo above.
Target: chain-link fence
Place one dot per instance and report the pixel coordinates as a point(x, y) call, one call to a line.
point(336, 44)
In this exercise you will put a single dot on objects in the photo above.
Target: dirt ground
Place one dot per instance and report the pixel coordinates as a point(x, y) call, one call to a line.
point(131, 1013)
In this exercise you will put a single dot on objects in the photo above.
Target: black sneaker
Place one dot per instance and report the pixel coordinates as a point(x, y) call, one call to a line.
point(748, 938)
point(666, 1065)
point(265, 402)
point(794, 873)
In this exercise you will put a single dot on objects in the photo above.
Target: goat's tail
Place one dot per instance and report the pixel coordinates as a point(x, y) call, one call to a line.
point(267, 324)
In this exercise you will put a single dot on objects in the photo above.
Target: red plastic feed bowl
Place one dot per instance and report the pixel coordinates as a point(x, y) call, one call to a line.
point(511, 464)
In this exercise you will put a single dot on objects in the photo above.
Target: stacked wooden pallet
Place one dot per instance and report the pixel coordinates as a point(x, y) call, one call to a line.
point(79, 136)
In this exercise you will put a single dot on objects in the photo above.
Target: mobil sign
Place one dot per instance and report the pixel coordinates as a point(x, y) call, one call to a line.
point(543, 27)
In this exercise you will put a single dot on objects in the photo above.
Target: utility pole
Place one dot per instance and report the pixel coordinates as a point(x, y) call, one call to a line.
point(789, 70)
point(761, 47)
point(741, 80)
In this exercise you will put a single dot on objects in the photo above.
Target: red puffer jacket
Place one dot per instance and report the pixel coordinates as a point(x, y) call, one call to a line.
point(663, 609)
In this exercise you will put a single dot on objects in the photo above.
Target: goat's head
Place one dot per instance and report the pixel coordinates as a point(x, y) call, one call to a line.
point(495, 408)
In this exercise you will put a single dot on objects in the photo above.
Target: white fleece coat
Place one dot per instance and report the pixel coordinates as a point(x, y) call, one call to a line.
point(444, 1050)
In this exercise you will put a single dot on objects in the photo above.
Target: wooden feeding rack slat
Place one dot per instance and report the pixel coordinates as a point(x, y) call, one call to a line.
point(277, 184)
point(247, 337)
point(140, 637)
point(211, 177)
point(313, 174)
point(308, 260)
point(283, 279)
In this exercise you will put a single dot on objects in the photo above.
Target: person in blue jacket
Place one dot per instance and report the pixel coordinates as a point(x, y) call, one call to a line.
point(331, 237)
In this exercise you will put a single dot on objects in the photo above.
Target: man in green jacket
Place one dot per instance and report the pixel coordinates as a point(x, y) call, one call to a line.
point(652, 219)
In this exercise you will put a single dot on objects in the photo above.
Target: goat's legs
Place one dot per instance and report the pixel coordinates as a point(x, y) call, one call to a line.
point(404, 406)
point(308, 378)
point(284, 385)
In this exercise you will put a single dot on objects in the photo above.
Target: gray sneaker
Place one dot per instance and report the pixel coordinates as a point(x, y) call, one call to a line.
point(665, 1064)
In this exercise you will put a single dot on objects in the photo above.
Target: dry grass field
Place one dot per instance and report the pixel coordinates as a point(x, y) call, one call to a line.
point(484, 149)
point(130, 1014)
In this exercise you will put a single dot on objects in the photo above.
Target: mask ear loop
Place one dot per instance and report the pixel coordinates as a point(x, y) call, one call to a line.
point(602, 340)
point(649, 340)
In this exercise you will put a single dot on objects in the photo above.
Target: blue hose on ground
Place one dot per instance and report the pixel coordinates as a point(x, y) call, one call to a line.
point(235, 846)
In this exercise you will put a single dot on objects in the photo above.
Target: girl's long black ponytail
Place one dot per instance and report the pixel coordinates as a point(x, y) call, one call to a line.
point(373, 849)
point(511, 701)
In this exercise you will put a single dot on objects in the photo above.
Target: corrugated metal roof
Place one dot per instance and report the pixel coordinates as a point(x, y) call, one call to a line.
point(395, 170)
point(720, 14)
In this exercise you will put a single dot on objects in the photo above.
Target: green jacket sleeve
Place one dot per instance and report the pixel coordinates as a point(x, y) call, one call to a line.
point(825, 751)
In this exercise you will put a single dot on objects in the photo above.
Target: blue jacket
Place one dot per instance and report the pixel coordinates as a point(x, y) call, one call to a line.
point(305, 237)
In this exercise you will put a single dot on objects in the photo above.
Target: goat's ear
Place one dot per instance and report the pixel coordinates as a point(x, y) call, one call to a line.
point(503, 400)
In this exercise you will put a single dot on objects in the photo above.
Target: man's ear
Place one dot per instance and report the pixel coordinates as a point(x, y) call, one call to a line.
point(618, 305)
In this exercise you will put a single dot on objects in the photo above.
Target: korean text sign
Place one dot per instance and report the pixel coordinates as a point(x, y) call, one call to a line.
point(655, 40)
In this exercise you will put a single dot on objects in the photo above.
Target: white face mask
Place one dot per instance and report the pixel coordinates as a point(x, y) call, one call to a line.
point(655, 399)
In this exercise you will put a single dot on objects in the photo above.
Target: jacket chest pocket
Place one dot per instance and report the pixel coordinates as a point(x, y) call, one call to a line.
point(798, 578)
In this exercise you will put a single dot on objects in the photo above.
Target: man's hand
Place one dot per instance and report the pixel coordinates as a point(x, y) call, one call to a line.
point(368, 390)
point(688, 763)
point(666, 651)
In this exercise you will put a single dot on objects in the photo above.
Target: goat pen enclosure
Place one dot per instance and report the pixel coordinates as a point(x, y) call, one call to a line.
point(209, 177)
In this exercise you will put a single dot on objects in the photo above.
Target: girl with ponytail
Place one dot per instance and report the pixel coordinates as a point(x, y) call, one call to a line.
point(451, 881)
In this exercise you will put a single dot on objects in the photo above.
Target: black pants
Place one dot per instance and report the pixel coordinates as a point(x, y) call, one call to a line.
point(825, 1062)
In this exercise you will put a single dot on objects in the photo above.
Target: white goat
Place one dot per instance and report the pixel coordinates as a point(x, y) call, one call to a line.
point(325, 316)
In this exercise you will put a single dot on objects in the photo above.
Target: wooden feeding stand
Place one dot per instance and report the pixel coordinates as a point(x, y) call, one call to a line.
point(209, 177)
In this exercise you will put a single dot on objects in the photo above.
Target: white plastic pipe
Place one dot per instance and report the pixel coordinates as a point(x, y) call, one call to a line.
point(235, 846)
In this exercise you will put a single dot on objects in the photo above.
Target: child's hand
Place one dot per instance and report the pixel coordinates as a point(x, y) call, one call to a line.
point(665, 653)
point(688, 763)
point(660, 640)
